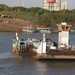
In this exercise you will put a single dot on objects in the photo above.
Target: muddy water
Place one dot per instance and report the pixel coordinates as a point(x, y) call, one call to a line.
point(11, 64)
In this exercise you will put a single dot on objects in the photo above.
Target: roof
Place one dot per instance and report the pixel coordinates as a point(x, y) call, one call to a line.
point(48, 39)
point(63, 24)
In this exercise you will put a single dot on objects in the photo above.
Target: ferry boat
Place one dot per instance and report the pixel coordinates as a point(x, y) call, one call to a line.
point(32, 48)
point(42, 49)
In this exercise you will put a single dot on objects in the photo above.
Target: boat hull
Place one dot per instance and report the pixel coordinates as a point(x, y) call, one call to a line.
point(72, 30)
point(58, 54)
point(24, 30)
point(55, 31)
point(50, 54)
point(45, 31)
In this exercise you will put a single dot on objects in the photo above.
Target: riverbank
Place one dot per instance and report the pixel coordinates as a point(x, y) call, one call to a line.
point(13, 24)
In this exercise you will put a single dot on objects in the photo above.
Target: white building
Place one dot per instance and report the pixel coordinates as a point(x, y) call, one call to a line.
point(63, 5)
point(54, 5)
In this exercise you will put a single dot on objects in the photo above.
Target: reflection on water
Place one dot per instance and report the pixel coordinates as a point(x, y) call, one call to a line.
point(11, 64)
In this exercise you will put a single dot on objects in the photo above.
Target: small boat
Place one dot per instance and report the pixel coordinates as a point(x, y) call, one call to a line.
point(55, 31)
point(43, 30)
point(72, 31)
point(28, 29)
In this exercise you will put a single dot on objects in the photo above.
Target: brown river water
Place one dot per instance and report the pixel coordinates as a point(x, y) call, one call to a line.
point(11, 64)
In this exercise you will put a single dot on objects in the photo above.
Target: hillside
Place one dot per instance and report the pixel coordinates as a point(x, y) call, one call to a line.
point(15, 25)
point(34, 16)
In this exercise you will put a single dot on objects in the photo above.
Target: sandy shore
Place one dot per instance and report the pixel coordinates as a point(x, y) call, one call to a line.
point(15, 25)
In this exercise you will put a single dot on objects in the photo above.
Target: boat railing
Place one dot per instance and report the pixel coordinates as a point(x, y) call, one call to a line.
point(22, 47)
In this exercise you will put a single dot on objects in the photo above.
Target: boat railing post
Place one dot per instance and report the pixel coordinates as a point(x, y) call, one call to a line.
point(43, 44)
point(17, 39)
point(25, 46)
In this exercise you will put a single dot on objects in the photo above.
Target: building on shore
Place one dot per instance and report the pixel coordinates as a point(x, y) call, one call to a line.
point(23, 4)
point(17, 4)
point(63, 5)
point(54, 5)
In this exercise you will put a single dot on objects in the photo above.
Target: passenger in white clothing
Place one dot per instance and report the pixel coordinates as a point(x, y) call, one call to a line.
point(62, 46)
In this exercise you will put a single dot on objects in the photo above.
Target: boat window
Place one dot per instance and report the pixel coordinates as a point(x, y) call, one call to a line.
point(67, 28)
point(22, 43)
point(48, 41)
point(63, 28)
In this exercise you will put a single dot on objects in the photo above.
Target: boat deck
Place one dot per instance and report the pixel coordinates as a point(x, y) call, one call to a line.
point(58, 54)
point(61, 52)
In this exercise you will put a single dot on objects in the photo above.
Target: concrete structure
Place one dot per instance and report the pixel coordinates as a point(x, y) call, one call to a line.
point(63, 5)
point(23, 4)
point(37, 49)
point(54, 5)
point(57, 5)
point(17, 4)
point(63, 37)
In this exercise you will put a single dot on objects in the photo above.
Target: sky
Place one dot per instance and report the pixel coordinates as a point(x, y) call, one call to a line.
point(34, 3)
